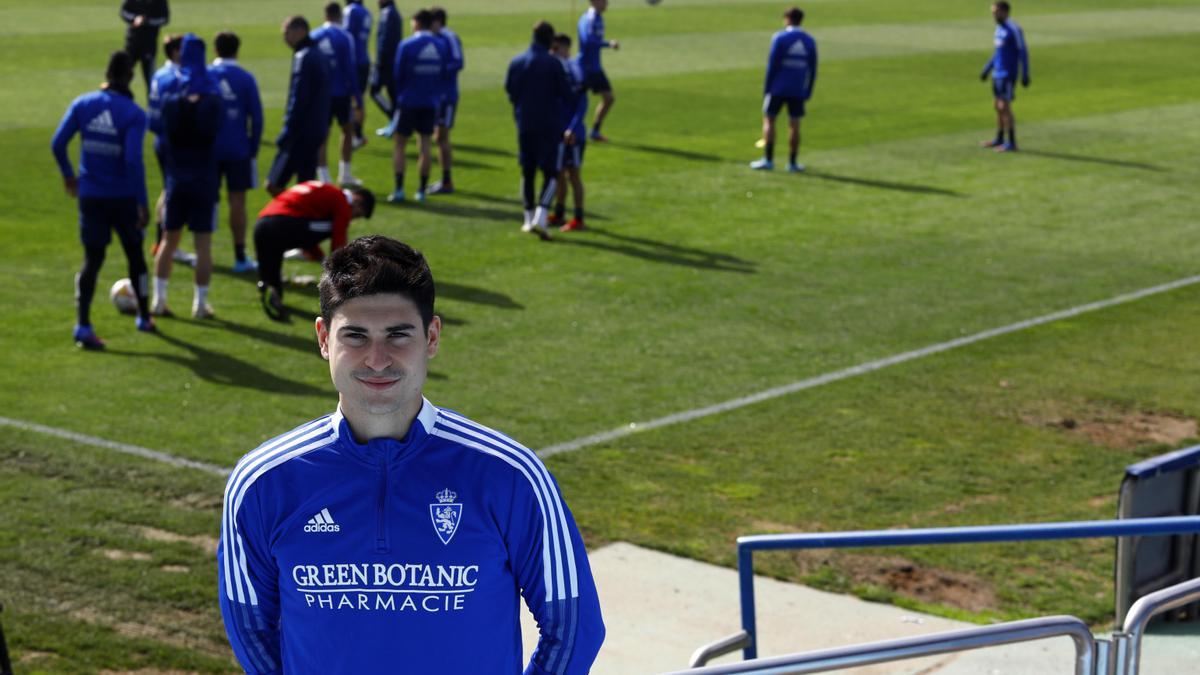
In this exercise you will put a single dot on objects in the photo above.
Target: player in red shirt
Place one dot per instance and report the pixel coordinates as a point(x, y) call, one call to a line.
point(302, 217)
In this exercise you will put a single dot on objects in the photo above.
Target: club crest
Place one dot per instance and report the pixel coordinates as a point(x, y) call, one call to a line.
point(446, 514)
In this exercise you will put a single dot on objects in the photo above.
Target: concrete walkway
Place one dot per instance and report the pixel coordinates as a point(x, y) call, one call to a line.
point(659, 608)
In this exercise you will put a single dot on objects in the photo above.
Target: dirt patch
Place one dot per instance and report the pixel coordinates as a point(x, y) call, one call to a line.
point(172, 627)
point(199, 501)
point(204, 542)
point(31, 656)
point(176, 569)
point(955, 507)
point(903, 577)
point(1119, 429)
point(1103, 501)
point(117, 554)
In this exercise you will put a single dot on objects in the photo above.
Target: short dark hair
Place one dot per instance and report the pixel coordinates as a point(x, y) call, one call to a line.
point(368, 199)
point(424, 18)
point(543, 33)
point(172, 44)
point(296, 21)
point(227, 44)
point(794, 15)
point(333, 12)
point(562, 39)
point(1003, 5)
point(372, 265)
point(439, 14)
point(119, 71)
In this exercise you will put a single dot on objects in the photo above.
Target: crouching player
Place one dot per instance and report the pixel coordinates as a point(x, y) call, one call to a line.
point(303, 217)
point(570, 152)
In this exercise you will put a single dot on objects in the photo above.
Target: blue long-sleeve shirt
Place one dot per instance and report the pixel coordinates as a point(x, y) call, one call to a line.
point(420, 73)
point(306, 119)
point(591, 39)
point(111, 128)
point(576, 105)
point(452, 47)
point(407, 555)
point(537, 88)
point(356, 20)
point(163, 85)
point(1010, 53)
point(241, 111)
point(792, 64)
point(387, 39)
point(338, 48)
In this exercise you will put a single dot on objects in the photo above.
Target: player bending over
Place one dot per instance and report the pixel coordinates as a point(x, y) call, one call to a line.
point(791, 75)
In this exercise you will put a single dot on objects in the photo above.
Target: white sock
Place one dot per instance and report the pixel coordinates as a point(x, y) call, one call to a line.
point(201, 296)
point(344, 174)
point(528, 217)
point(160, 291)
point(323, 174)
point(539, 218)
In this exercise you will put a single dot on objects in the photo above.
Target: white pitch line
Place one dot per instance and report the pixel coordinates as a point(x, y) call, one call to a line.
point(126, 448)
point(860, 369)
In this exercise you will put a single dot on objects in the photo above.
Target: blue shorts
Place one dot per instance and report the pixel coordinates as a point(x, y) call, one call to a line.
point(420, 120)
point(446, 113)
point(240, 174)
point(300, 162)
point(99, 216)
point(539, 150)
point(362, 77)
point(196, 211)
point(339, 109)
point(1004, 88)
point(773, 104)
point(571, 156)
point(596, 81)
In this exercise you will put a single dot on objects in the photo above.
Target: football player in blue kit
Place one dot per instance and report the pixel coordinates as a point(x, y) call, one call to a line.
point(574, 139)
point(1009, 63)
point(356, 20)
point(238, 138)
point(419, 76)
point(791, 75)
point(338, 48)
point(591, 41)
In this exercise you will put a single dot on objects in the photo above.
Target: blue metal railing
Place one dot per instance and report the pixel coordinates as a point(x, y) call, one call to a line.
point(747, 545)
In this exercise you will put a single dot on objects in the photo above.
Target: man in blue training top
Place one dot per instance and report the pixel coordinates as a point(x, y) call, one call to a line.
point(591, 41)
point(163, 86)
point(111, 188)
point(238, 138)
point(387, 40)
point(1010, 60)
point(420, 79)
point(356, 20)
point(538, 89)
point(145, 18)
point(306, 118)
point(574, 139)
point(791, 75)
point(452, 46)
point(395, 536)
point(191, 120)
point(338, 48)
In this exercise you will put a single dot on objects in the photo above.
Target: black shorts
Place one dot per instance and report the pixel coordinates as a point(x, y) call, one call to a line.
point(1004, 88)
point(362, 77)
point(339, 110)
point(197, 211)
point(571, 156)
point(300, 162)
point(539, 151)
point(240, 174)
point(773, 104)
point(596, 81)
point(445, 116)
point(420, 120)
point(100, 216)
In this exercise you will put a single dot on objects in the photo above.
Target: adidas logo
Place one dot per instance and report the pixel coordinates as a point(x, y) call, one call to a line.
point(797, 48)
point(429, 53)
point(226, 91)
point(103, 124)
point(322, 522)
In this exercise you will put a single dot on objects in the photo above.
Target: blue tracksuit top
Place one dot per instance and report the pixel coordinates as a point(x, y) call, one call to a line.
point(420, 72)
point(1010, 53)
point(387, 39)
point(452, 47)
point(191, 166)
point(576, 106)
point(402, 556)
point(792, 64)
point(338, 48)
point(537, 88)
point(356, 21)
point(591, 39)
point(111, 129)
point(306, 118)
point(241, 111)
point(163, 85)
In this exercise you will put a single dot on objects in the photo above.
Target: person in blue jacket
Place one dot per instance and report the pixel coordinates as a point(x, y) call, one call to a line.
point(538, 88)
point(191, 120)
point(591, 41)
point(387, 39)
point(356, 20)
point(238, 138)
point(453, 48)
point(163, 85)
point(306, 117)
point(791, 75)
point(574, 140)
point(110, 187)
point(420, 76)
point(395, 535)
point(338, 48)
point(1008, 63)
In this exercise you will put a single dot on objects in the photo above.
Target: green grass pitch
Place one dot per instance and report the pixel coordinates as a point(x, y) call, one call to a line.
point(700, 281)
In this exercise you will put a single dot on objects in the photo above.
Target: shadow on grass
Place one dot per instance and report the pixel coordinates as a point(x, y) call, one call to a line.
point(670, 152)
point(883, 184)
point(446, 208)
point(303, 345)
point(1092, 160)
point(481, 149)
point(479, 296)
point(516, 204)
point(660, 251)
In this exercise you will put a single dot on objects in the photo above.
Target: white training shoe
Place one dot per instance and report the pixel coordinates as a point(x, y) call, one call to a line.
point(202, 311)
point(528, 226)
point(182, 256)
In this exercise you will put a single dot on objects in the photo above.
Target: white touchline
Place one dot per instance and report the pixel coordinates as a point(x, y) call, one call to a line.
point(860, 369)
point(126, 448)
point(674, 418)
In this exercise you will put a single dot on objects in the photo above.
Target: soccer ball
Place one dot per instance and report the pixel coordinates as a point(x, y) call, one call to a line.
point(123, 297)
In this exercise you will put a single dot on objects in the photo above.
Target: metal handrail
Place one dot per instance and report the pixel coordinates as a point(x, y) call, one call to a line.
point(923, 645)
point(1147, 607)
point(726, 645)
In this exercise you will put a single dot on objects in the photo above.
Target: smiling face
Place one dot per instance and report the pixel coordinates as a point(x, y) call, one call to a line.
point(378, 352)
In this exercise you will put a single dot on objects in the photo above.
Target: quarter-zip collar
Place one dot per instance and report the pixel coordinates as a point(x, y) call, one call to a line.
point(387, 450)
